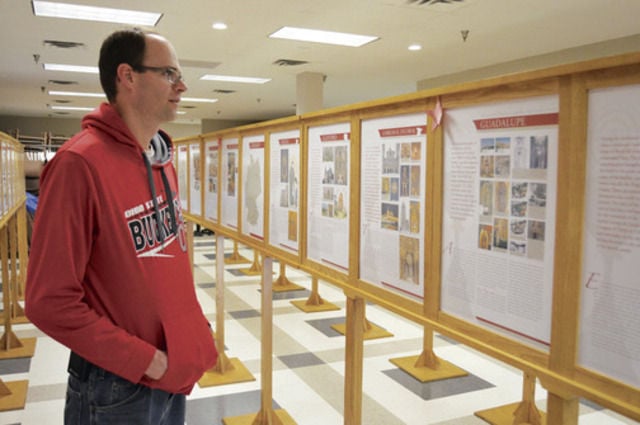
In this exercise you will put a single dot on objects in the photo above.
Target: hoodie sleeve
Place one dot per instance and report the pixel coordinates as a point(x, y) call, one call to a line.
point(64, 231)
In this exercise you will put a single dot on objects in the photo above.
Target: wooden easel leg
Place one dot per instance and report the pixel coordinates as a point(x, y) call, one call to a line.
point(315, 302)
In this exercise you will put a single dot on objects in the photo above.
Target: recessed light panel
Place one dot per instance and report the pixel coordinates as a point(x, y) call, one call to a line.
point(198, 100)
point(71, 68)
point(70, 108)
point(232, 79)
point(74, 93)
point(320, 36)
point(92, 13)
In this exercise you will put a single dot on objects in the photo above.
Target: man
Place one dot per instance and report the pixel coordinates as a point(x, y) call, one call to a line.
point(109, 275)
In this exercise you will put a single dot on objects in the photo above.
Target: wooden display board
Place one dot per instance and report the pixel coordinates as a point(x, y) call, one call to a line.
point(501, 213)
point(13, 252)
point(211, 178)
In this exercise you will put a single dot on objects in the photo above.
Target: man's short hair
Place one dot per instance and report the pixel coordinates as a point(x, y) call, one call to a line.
point(123, 46)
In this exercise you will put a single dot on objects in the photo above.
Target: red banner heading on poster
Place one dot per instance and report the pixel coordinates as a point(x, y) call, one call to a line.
point(517, 121)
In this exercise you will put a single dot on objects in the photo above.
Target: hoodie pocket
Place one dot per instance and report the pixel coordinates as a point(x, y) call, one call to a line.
point(191, 351)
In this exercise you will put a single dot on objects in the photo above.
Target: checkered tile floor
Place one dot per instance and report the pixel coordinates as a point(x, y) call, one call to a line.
point(308, 364)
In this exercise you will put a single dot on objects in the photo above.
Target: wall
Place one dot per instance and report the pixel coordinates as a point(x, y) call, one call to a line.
point(67, 127)
point(561, 57)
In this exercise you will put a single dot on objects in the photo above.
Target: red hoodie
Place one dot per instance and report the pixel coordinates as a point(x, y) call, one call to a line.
point(99, 279)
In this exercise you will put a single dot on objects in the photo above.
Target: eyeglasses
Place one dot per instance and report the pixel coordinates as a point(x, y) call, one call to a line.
point(170, 73)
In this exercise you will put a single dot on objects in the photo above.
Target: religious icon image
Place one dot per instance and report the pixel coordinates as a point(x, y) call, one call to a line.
point(486, 166)
point(486, 198)
point(502, 166)
point(416, 151)
point(409, 259)
point(231, 174)
point(341, 165)
point(484, 236)
point(414, 216)
point(405, 151)
point(390, 159)
point(502, 197)
point(538, 152)
point(389, 216)
point(500, 233)
point(340, 210)
point(284, 165)
point(415, 180)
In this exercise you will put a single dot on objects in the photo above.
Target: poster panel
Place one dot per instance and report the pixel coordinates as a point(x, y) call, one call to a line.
point(195, 185)
point(328, 195)
point(182, 176)
point(253, 186)
point(392, 203)
point(229, 195)
point(609, 339)
point(500, 168)
point(211, 149)
point(3, 179)
point(284, 149)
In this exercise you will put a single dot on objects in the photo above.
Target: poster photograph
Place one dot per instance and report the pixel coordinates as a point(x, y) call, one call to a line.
point(211, 151)
point(609, 339)
point(328, 195)
point(195, 183)
point(229, 183)
point(393, 172)
point(252, 189)
point(500, 167)
point(284, 148)
point(182, 159)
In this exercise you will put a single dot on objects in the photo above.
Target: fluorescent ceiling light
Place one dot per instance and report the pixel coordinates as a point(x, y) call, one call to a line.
point(219, 26)
point(91, 13)
point(71, 68)
point(318, 36)
point(198, 100)
point(74, 93)
point(415, 47)
point(71, 108)
point(231, 79)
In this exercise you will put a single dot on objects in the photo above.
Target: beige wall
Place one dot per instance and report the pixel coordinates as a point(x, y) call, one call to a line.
point(67, 127)
point(578, 54)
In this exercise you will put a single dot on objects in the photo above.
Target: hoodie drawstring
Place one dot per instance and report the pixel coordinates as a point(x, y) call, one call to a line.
point(167, 189)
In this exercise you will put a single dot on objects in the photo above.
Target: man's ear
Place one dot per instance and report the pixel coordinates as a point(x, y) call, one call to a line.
point(124, 73)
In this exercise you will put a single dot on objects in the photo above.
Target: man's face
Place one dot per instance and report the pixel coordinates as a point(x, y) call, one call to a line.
point(157, 97)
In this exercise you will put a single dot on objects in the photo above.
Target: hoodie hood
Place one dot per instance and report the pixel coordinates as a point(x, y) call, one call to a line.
point(107, 119)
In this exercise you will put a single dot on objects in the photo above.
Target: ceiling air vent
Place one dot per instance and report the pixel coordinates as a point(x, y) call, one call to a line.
point(222, 91)
point(431, 2)
point(62, 82)
point(289, 62)
point(63, 44)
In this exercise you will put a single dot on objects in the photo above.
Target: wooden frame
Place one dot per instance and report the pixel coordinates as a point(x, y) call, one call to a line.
point(557, 367)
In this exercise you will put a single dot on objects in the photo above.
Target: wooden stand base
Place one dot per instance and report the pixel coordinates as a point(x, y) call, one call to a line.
point(14, 395)
point(445, 369)
point(285, 285)
point(26, 350)
point(236, 258)
point(237, 372)
point(313, 307)
point(20, 320)
point(505, 415)
point(282, 417)
point(372, 331)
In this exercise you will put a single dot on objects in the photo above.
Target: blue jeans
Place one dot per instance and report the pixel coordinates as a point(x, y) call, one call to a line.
point(107, 399)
